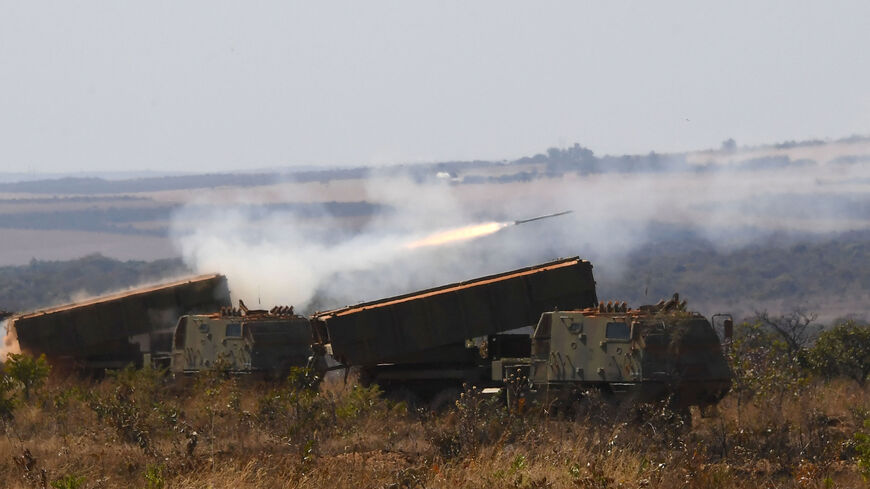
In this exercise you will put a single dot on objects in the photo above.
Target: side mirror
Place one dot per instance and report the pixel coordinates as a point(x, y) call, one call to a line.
point(723, 324)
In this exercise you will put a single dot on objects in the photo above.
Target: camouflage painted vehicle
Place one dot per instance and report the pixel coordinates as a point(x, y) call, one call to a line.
point(426, 345)
point(653, 353)
point(242, 341)
point(116, 330)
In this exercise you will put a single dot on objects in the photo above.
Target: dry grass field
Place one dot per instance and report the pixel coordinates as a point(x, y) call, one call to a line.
point(140, 429)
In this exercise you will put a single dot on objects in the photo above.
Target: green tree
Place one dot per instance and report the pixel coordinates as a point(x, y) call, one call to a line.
point(27, 371)
point(797, 328)
point(843, 350)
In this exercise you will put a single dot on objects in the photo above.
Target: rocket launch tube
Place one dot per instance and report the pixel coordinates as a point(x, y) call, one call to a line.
point(523, 221)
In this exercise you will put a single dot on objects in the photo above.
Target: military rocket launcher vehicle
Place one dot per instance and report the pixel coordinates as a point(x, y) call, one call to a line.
point(541, 323)
point(652, 353)
point(113, 331)
point(427, 344)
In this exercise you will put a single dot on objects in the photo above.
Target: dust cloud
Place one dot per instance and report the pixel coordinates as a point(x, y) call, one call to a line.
point(10, 341)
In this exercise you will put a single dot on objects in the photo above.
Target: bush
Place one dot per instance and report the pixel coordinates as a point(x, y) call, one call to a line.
point(359, 401)
point(133, 408)
point(475, 420)
point(842, 351)
point(27, 371)
point(126, 414)
point(296, 411)
point(68, 482)
point(764, 367)
point(154, 477)
point(7, 398)
point(862, 440)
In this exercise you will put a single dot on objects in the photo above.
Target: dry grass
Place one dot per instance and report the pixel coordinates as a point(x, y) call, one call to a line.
point(217, 432)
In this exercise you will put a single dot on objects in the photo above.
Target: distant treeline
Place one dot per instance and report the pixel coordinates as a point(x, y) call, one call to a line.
point(123, 220)
point(46, 283)
point(788, 272)
point(111, 220)
point(93, 185)
point(556, 162)
point(75, 199)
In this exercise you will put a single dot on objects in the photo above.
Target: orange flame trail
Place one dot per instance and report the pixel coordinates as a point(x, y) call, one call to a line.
point(459, 234)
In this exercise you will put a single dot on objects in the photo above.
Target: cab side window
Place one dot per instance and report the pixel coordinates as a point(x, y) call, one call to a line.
point(618, 331)
point(234, 330)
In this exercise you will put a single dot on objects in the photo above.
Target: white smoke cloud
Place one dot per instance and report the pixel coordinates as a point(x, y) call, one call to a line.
point(274, 256)
point(277, 257)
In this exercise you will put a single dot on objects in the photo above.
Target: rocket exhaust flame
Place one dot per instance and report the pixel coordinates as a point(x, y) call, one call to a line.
point(472, 232)
point(458, 235)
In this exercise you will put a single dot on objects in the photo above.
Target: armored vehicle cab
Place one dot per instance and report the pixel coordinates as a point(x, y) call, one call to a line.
point(242, 341)
point(649, 354)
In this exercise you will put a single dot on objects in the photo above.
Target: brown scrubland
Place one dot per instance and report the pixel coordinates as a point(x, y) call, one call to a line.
point(782, 425)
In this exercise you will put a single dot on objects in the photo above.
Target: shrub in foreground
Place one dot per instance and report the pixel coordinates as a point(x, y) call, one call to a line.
point(842, 351)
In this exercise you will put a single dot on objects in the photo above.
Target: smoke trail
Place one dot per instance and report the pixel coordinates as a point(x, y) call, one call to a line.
point(272, 255)
point(464, 233)
point(332, 260)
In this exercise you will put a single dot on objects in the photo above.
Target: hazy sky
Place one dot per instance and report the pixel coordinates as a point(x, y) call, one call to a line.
point(209, 85)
